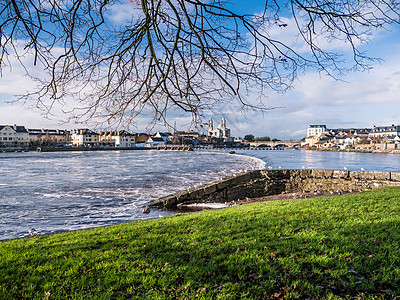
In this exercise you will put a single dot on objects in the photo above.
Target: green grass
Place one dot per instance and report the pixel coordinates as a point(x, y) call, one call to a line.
point(328, 247)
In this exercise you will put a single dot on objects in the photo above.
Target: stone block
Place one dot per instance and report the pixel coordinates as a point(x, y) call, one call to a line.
point(395, 176)
point(356, 174)
point(366, 175)
point(295, 173)
point(382, 175)
point(223, 184)
point(239, 179)
point(159, 201)
point(324, 174)
point(238, 193)
point(182, 196)
point(209, 189)
point(263, 174)
point(283, 174)
point(195, 194)
point(305, 173)
point(169, 201)
point(340, 174)
point(256, 174)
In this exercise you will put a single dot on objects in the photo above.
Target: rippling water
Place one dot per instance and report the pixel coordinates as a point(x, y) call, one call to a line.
point(72, 190)
point(327, 160)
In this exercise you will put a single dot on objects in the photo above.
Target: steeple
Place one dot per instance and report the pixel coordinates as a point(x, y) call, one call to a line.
point(210, 125)
point(223, 123)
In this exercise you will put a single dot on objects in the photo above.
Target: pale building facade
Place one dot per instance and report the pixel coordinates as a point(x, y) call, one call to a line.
point(385, 131)
point(121, 138)
point(84, 137)
point(221, 132)
point(317, 130)
point(48, 136)
point(14, 135)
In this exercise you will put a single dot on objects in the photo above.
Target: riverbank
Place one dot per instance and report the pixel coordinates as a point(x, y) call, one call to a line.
point(261, 183)
point(322, 248)
point(159, 147)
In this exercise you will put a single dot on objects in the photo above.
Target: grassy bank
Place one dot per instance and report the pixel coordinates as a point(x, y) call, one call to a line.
point(329, 247)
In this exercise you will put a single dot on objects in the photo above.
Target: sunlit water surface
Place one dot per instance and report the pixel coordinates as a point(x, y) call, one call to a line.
point(326, 160)
point(60, 191)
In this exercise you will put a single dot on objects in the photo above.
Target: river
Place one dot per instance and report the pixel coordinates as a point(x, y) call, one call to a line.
point(60, 191)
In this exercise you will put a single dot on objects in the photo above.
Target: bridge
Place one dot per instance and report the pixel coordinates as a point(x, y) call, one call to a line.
point(275, 144)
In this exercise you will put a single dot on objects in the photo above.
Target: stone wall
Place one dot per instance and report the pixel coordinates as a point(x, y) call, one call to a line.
point(271, 182)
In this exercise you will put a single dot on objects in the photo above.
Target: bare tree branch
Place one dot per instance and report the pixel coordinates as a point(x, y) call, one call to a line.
point(185, 55)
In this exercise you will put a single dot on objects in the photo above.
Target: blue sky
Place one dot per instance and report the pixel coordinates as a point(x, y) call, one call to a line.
point(358, 100)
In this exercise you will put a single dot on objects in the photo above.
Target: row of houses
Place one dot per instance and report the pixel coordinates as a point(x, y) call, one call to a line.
point(20, 136)
point(359, 138)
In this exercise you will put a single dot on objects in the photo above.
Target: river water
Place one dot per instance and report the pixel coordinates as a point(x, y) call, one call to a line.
point(59, 191)
point(326, 160)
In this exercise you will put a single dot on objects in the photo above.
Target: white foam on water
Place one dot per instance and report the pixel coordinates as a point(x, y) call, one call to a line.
point(67, 191)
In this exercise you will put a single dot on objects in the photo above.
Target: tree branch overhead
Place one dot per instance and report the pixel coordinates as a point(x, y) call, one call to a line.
point(184, 55)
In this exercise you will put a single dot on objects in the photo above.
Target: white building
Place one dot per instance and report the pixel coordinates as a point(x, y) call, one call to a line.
point(385, 131)
point(221, 132)
point(315, 130)
point(155, 141)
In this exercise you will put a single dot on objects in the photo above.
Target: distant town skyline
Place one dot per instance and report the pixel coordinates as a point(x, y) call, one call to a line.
point(358, 99)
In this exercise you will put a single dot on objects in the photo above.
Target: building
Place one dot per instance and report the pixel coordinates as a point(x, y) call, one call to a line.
point(164, 135)
point(384, 131)
point(155, 141)
point(221, 132)
point(186, 137)
point(84, 137)
point(316, 130)
point(121, 138)
point(140, 140)
point(14, 136)
point(48, 136)
point(319, 141)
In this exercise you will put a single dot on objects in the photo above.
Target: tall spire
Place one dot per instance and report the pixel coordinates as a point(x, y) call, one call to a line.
point(210, 126)
point(223, 123)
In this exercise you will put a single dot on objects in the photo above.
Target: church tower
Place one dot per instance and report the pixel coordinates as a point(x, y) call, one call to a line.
point(210, 126)
point(223, 124)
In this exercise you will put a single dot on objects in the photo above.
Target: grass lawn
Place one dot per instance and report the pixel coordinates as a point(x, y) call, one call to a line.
point(323, 248)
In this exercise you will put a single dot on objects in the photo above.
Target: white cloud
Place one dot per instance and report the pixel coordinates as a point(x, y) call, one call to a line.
point(124, 13)
point(360, 100)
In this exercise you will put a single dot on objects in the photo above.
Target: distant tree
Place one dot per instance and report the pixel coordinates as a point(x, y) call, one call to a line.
point(187, 55)
point(275, 140)
point(249, 138)
point(263, 139)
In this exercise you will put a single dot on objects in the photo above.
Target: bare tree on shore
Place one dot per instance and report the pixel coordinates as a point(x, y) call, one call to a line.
point(187, 55)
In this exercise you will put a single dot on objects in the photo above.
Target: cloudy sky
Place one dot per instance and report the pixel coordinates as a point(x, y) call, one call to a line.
point(356, 100)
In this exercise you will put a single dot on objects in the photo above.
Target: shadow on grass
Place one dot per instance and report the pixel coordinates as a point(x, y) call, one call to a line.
point(342, 247)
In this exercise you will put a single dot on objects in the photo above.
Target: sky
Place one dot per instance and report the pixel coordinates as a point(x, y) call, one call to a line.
point(357, 100)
